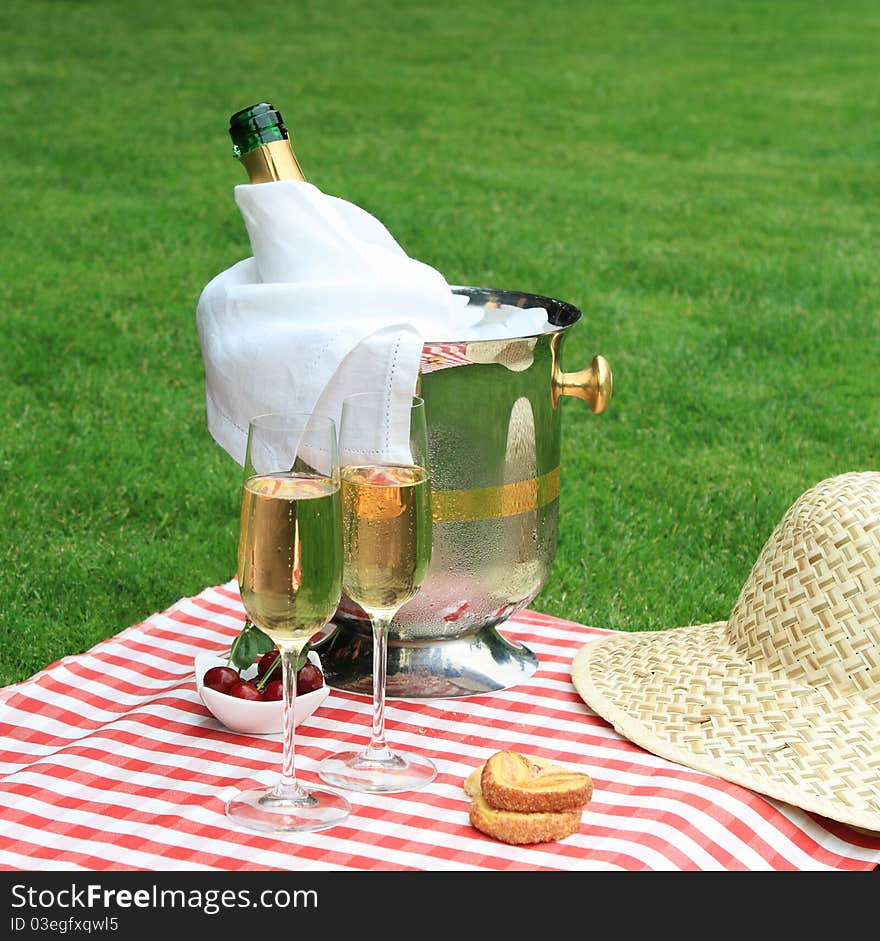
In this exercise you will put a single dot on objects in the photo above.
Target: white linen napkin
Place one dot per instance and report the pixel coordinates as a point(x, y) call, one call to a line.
point(329, 305)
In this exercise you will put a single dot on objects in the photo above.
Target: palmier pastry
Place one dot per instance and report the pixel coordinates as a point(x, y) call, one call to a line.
point(510, 781)
point(554, 807)
point(510, 826)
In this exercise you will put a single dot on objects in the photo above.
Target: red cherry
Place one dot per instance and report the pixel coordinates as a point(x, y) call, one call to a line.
point(273, 690)
point(309, 678)
point(220, 678)
point(267, 661)
point(244, 690)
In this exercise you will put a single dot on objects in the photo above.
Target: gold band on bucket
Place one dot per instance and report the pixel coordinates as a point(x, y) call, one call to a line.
point(485, 503)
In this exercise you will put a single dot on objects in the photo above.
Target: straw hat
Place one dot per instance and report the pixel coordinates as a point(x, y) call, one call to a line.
point(784, 696)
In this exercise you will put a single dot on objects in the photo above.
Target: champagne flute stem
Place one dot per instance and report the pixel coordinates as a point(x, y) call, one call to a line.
point(378, 750)
point(288, 787)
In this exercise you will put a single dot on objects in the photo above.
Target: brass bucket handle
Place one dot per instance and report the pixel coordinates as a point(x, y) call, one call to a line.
point(592, 384)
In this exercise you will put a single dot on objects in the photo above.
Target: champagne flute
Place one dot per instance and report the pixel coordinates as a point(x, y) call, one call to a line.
point(290, 577)
point(386, 534)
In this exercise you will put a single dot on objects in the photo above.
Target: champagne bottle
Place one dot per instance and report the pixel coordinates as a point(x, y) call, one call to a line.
point(261, 143)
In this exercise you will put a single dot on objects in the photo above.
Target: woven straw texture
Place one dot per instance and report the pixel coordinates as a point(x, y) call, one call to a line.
point(783, 697)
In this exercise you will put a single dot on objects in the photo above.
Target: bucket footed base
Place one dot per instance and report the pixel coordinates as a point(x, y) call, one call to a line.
point(479, 662)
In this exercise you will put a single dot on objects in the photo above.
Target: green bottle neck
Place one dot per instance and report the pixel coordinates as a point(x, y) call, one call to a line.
point(261, 143)
point(254, 126)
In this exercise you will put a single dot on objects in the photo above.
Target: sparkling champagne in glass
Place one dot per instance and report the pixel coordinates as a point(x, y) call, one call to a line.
point(386, 537)
point(290, 577)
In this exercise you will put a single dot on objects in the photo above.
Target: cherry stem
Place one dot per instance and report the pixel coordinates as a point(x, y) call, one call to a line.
point(264, 679)
point(298, 664)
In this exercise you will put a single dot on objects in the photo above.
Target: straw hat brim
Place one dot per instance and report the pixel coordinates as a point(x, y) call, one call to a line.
point(687, 695)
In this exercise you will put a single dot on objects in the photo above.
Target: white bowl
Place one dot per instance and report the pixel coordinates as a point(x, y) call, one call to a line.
point(254, 718)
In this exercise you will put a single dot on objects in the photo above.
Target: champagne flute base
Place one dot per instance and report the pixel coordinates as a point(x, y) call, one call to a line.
point(269, 811)
point(358, 771)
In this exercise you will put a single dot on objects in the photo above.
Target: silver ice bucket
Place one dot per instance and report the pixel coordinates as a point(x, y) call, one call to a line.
point(493, 415)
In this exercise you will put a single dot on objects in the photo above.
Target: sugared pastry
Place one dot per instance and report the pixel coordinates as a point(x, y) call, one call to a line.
point(510, 781)
point(520, 799)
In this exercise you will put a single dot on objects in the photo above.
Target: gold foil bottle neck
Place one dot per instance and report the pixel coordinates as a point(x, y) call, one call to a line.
point(273, 161)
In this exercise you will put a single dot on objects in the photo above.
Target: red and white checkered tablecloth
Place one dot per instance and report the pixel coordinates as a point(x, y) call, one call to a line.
point(109, 760)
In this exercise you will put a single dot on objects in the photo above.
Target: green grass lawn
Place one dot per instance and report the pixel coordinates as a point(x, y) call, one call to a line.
point(701, 179)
